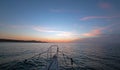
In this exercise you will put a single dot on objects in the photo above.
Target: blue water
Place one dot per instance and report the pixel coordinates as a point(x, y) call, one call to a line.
point(90, 56)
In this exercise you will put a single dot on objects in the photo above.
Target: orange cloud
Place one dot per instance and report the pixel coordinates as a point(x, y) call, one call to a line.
point(93, 33)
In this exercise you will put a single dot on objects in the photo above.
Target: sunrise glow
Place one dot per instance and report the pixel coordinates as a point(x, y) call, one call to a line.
point(59, 20)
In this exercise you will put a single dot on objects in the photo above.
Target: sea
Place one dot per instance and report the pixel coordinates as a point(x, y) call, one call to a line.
point(88, 56)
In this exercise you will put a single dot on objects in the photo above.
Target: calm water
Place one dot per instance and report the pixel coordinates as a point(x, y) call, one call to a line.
point(90, 56)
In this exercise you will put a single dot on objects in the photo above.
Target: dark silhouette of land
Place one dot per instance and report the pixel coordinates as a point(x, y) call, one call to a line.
point(23, 41)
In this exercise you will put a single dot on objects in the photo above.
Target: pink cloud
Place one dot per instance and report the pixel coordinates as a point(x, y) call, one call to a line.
point(97, 31)
point(93, 33)
point(99, 17)
point(105, 5)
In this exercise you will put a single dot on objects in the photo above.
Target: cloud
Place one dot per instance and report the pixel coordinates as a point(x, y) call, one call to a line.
point(65, 34)
point(15, 26)
point(97, 35)
point(105, 5)
point(93, 33)
point(99, 17)
point(98, 31)
point(43, 29)
point(57, 33)
point(64, 10)
point(102, 39)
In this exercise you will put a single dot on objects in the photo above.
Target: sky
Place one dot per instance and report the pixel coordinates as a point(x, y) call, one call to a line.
point(59, 20)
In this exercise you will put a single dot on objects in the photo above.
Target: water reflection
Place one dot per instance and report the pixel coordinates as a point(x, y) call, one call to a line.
point(89, 56)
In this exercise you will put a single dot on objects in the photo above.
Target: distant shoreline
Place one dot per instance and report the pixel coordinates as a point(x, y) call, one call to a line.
point(21, 41)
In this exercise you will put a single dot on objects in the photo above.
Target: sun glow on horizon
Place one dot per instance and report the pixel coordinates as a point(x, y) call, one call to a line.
point(59, 20)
